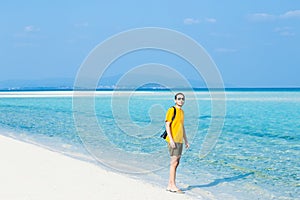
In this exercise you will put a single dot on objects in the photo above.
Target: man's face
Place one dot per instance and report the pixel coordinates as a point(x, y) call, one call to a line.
point(180, 100)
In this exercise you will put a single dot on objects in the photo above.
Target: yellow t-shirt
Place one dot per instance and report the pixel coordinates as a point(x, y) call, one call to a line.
point(176, 125)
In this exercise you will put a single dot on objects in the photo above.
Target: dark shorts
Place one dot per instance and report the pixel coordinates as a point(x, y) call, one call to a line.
point(177, 151)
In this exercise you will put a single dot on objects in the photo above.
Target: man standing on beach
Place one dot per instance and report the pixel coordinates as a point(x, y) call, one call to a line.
point(176, 135)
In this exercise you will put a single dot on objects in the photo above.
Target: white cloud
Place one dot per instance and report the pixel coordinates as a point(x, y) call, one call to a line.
point(210, 20)
point(28, 32)
point(285, 31)
point(291, 14)
point(261, 17)
point(31, 28)
point(279, 29)
point(24, 44)
point(190, 21)
point(267, 17)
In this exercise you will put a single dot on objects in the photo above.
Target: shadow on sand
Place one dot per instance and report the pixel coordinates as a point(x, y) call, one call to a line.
point(218, 181)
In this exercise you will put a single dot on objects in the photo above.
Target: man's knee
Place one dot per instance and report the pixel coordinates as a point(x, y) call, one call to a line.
point(175, 161)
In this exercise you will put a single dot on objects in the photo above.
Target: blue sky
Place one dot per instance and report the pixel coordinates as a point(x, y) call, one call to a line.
point(254, 43)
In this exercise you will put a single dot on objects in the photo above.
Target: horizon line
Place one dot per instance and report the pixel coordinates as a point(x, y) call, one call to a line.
point(37, 89)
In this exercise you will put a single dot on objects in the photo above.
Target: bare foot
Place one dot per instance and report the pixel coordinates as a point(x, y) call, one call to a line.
point(172, 188)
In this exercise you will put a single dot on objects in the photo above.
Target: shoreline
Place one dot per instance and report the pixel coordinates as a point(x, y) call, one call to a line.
point(156, 89)
point(32, 172)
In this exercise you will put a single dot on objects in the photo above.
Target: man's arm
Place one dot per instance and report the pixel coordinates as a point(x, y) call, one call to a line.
point(172, 143)
point(187, 145)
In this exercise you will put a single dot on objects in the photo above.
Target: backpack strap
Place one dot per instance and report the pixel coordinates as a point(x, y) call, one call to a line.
point(174, 113)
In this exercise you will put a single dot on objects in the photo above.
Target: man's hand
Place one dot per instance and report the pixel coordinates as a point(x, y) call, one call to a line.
point(172, 144)
point(187, 145)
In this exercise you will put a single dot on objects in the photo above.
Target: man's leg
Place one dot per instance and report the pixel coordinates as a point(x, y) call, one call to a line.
point(173, 167)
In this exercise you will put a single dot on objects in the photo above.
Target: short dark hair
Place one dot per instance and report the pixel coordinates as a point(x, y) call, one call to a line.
point(179, 94)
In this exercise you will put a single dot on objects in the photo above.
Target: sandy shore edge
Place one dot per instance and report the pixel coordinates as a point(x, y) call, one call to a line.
point(31, 172)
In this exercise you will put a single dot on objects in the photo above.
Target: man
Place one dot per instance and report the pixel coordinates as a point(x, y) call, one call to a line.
point(176, 135)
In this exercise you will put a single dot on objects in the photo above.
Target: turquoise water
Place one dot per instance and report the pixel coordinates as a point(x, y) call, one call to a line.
point(257, 155)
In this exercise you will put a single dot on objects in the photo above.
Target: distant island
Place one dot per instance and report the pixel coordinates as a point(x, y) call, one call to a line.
point(67, 84)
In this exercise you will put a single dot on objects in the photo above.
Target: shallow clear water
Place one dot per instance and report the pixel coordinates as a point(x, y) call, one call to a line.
point(257, 155)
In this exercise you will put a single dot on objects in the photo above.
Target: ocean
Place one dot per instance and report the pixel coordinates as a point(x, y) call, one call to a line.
point(256, 155)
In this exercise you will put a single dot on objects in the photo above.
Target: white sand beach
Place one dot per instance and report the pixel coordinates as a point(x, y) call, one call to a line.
point(29, 172)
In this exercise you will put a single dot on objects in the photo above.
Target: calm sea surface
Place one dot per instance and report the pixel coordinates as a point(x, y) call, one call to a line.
point(256, 156)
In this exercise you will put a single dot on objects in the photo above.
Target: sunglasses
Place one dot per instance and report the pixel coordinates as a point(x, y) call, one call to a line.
point(180, 99)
